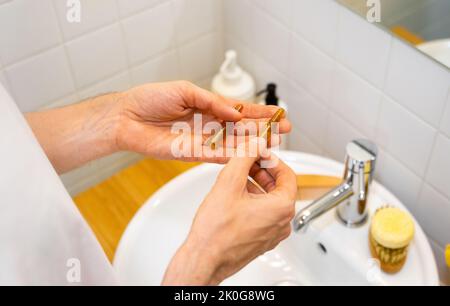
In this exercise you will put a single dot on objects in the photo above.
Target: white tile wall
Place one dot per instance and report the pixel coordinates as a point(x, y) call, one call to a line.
point(322, 15)
point(434, 210)
point(201, 58)
point(339, 134)
point(158, 36)
point(30, 80)
point(281, 9)
point(238, 21)
point(439, 170)
point(363, 49)
point(160, 69)
point(194, 18)
point(3, 81)
point(302, 143)
point(67, 100)
point(308, 114)
point(445, 125)
point(403, 182)
point(95, 14)
point(103, 49)
point(127, 7)
point(46, 62)
point(272, 39)
point(355, 100)
point(310, 68)
point(405, 136)
point(265, 73)
point(350, 79)
point(20, 20)
point(118, 82)
point(417, 83)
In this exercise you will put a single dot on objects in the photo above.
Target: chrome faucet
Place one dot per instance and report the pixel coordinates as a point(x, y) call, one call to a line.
point(352, 194)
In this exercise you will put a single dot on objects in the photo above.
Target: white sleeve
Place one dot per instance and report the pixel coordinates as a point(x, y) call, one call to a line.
point(43, 238)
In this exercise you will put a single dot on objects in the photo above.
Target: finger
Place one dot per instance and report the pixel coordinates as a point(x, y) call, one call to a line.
point(223, 108)
point(206, 101)
point(237, 170)
point(253, 188)
point(188, 147)
point(257, 111)
point(192, 148)
point(253, 126)
point(205, 159)
point(234, 141)
point(285, 178)
point(262, 177)
point(227, 141)
point(284, 234)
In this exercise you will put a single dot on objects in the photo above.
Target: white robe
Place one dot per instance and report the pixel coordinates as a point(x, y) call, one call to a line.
point(43, 237)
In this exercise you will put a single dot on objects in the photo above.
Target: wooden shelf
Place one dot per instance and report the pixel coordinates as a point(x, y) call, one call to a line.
point(109, 207)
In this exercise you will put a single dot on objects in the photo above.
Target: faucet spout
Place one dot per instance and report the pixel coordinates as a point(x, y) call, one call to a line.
point(354, 191)
point(323, 205)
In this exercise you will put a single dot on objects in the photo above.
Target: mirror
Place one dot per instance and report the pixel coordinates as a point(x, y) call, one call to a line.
point(423, 23)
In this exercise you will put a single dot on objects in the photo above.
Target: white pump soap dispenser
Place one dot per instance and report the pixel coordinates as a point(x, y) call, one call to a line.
point(233, 82)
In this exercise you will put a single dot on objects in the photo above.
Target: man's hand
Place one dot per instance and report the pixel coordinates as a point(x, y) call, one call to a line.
point(138, 120)
point(231, 231)
point(149, 112)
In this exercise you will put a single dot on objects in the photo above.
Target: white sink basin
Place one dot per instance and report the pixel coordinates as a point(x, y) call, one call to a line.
point(327, 254)
point(438, 49)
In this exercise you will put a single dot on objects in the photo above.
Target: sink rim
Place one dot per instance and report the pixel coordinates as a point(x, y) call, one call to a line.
point(333, 168)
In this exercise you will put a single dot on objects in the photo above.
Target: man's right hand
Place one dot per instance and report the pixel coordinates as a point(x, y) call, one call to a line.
point(236, 223)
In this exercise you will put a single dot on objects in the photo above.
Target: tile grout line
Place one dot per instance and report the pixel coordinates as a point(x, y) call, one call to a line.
point(333, 57)
point(446, 105)
point(125, 45)
point(377, 125)
point(66, 53)
point(290, 82)
point(78, 36)
point(131, 66)
point(177, 47)
point(317, 48)
point(380, 91)
point(155, 57)
point(309, 138)
point(383, 90)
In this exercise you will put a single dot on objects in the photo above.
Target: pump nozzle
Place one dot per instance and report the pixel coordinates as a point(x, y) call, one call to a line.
point(271, 97)
point(232, 81)
point(230, 69)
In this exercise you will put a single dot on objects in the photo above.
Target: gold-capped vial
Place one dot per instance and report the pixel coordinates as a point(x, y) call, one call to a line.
point(277, 117)
point(267, 132)
point(213, 141)
point(447, 255)
point(239, 108)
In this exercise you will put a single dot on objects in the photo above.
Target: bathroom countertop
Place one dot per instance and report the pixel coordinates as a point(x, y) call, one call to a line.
point(110, 206)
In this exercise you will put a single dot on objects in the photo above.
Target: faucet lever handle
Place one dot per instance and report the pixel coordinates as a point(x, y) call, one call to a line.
point(361, 159)
point(362, 182)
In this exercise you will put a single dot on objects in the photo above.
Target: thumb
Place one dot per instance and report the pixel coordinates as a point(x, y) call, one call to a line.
point(237, 170)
